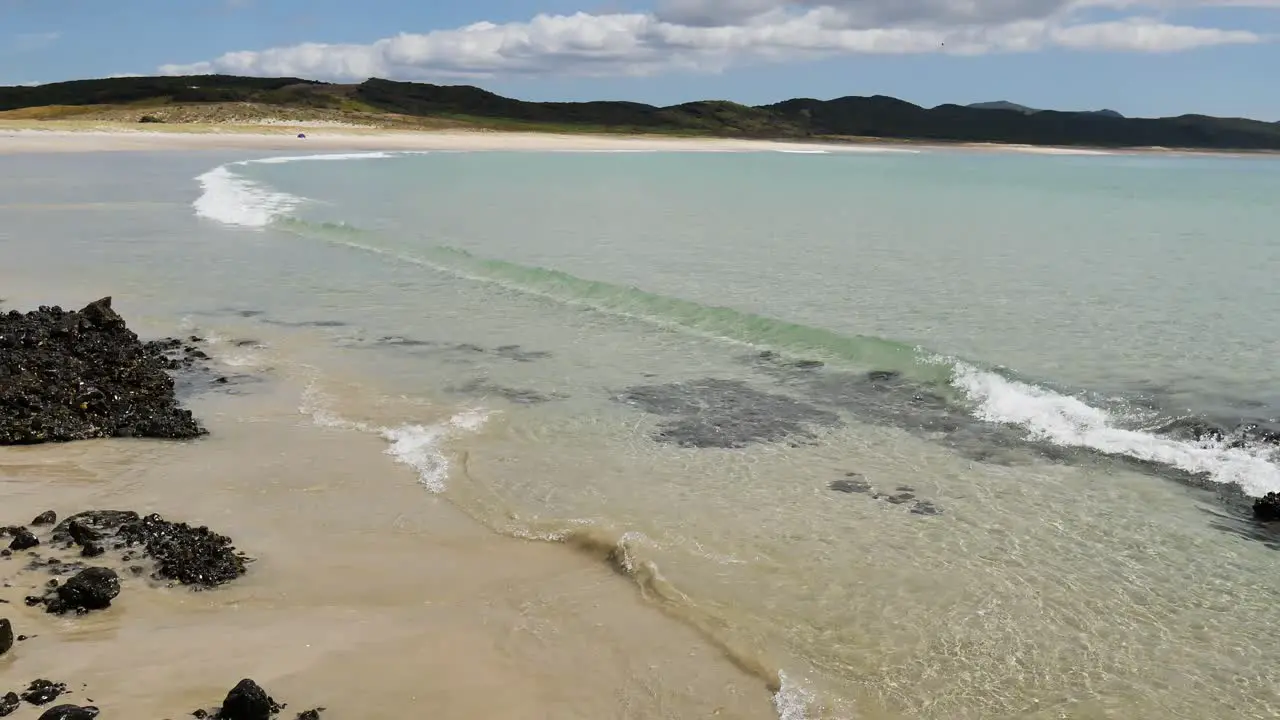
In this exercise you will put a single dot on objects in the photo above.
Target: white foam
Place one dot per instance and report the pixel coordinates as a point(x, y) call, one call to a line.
point(792, 700)
point(419, 446)
point(233, 199)
point(1068, 421)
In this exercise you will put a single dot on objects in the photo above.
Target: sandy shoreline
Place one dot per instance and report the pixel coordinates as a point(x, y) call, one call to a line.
point(60, 141)
point(23, 137)
point(374, 601)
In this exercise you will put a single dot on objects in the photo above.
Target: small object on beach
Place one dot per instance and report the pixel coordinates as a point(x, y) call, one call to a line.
point(1267, 507)
point(302, 135)
point(6, 635)
point(313, 714)
point(248, 701)
point(70, 712)
point(43, 692)
point(23, 539)
point(48, 517)
point(9, 703)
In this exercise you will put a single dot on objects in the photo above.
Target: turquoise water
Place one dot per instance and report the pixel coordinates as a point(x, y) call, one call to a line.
point(676, 356)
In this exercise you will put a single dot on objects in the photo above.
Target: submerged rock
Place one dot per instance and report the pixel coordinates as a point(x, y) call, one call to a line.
point(248, 701)
point(1267, 508)
point(70, 712)
point(715, 413)
point(73, 375)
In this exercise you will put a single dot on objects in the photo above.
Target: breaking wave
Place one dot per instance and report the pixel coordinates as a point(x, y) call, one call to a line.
point(232, 199)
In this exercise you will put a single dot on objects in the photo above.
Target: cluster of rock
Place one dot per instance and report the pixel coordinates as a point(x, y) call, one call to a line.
point(74, 375)
point(180, 553)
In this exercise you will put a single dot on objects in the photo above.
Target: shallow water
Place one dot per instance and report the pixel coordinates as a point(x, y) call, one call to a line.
point(569, 347)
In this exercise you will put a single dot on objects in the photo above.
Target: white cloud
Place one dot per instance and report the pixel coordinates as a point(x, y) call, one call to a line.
point(709, 35)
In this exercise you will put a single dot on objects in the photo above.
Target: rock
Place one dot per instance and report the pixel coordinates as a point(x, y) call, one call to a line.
point(82, 535)
point(900, 498)
point(78, 375)
point(191, 556)
point(48, 517)
point(850, 485)
point(313, 714)
point(1267, 507)
point(70, 712)
point(90, 589)
point(924, 507)
point(9, 703)
point(23, 539)
point(248, 701)
point(102, 521)
point(6, 635)
point(92, 549)
point(43, 692)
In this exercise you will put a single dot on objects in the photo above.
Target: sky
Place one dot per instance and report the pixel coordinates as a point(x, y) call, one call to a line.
point(1141, 57)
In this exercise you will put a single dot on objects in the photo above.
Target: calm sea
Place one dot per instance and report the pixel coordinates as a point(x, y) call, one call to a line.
point(909, 434)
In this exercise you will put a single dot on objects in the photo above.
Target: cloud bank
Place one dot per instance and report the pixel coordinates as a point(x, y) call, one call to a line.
point(711, 35)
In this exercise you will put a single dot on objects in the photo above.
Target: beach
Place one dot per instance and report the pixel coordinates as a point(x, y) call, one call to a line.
point(645, 427)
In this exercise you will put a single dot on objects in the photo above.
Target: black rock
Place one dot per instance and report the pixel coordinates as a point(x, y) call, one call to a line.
point(313, 714)
point(248, 701)
point(43, 692)
point(23, 539)
point(90, 589)
point(6, 635)
point(70, 712)
point(900, 498)
point(92, 549)
point(1267, 507)
point(78, 375)
point(9, 703)
point(101, 522)
point(189, 555)
point(81, 534)
point(48, 517)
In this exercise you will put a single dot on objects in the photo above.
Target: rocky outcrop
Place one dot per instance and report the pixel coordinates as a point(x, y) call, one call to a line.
point(74, 375)
point(1267, 508)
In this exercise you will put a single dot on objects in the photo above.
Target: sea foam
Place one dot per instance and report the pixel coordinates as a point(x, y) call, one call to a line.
point(1063, 420)
point(232, 199)
point(418, 446)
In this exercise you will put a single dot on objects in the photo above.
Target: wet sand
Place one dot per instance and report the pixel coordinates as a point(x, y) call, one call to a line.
point(369, 596)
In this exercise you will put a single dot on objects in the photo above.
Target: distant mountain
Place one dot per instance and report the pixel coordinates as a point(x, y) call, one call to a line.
point(1003, 105)
point(1015, 107)
point(420, 104)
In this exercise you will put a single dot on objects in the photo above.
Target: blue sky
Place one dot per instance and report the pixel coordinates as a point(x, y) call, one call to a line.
point(1141, 57)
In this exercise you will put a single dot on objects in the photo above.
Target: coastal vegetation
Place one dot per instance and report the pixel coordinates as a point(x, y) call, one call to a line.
point(384, 103)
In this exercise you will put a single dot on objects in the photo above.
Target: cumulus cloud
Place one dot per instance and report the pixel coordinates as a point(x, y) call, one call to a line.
point(710, 35)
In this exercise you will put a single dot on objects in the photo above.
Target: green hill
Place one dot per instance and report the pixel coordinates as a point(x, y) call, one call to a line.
point(846, 117)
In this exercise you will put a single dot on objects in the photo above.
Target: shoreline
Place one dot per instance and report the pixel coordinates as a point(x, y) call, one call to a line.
point(373, 602)
point(28, 137)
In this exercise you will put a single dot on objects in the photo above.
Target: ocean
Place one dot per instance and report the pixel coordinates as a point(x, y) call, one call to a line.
point(899, 434)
